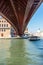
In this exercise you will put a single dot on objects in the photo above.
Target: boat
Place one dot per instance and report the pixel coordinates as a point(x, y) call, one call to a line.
point(34, 38)
point(24, 37)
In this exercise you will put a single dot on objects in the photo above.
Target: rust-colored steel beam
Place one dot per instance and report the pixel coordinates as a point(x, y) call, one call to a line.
point(33, 9)
point(19, 12)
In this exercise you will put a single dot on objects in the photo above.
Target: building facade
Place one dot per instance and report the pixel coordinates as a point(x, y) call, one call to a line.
point(4, 28)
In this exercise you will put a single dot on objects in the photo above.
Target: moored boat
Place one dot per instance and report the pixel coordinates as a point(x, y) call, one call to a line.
point(34, 38)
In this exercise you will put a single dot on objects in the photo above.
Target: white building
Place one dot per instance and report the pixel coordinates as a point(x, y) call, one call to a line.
point(39, 33)
point(4, 28)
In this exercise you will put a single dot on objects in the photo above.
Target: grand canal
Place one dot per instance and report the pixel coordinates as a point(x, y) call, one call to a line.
point(21, 52)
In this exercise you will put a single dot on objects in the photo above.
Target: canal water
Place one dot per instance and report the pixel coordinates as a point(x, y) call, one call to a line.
point(21, 52)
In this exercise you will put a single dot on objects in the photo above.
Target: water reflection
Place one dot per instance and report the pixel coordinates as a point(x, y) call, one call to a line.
point(17, 51)
point(4, 51)
point(21, 52)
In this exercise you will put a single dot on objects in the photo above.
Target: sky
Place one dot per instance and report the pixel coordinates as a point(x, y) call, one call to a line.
point(0, 16)
point(36, 21)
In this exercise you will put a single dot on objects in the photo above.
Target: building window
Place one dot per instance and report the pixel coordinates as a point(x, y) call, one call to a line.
point(2, 30)
point(2, 25)
point(7, 25)
point(2, 21)
point(1, 34)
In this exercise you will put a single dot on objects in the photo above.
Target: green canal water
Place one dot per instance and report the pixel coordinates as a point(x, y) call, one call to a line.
point(21, 52)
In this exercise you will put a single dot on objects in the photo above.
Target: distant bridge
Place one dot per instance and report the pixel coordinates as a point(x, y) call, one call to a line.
point(18, 12)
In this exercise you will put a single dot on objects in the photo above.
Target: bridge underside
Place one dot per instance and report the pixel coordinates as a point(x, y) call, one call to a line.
point(18, 12)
